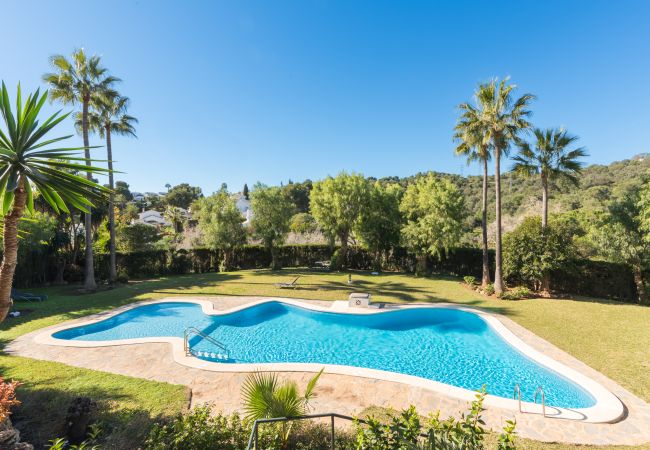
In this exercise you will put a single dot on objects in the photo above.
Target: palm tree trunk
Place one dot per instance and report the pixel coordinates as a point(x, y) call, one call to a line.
point(544, 201)
point(10, 249)
point(112, 270)
point(89, 264)
point(498, 277)
point(485, 280)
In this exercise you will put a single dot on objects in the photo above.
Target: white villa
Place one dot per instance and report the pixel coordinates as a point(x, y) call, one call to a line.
point(244, 206)
point(153, 218)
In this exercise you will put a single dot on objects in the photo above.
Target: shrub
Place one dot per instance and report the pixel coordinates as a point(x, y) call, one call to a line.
point(489, 289)
point(470, 280)
point(7, 397)
point(407, 431)
point(199, 430)
point(531, 253)
point(517, 293)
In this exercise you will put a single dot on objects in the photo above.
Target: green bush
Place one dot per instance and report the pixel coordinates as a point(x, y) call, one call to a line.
point(531, 253)
point(489, 289)
point(518, 293)
point(470, 280)
point(200, 430)
point(406, 431)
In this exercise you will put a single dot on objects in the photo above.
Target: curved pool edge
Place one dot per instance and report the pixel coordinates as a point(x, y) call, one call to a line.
point(608, 407)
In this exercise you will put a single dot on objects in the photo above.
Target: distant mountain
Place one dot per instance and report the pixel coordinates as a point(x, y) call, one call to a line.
point(599, 184)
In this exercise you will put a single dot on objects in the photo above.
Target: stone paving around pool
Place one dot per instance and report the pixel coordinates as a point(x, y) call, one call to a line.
point(347, 394)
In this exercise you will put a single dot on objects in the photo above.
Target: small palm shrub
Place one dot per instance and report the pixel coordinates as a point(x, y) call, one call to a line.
point(265, 396)
point(489, 289)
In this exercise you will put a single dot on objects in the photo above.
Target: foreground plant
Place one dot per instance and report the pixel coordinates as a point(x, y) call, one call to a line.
point(265, 396)
point(406, 431)
point(28, 164)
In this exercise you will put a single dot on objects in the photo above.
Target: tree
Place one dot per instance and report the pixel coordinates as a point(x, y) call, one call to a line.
point(77, 81)
point(108, 117)
point(474, 144)
point(29, 164)
point(381, 221)
point(550, 158)
point(622, 235)
point(168, 186)
point(298, 194)
point(221, 224)
point(434, 211)
point(245, 192)
point(303, 223)
point(176, 216)
point(532, 251)
point(183, 195)
point(502, 117)
point(337, 203)
point(271, 218)
point(265, 396)
point(137, 237)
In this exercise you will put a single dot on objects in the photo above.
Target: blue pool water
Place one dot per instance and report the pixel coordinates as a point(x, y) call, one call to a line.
point(446, 345)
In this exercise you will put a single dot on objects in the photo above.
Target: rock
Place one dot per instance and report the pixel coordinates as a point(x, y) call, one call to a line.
point(10, 438)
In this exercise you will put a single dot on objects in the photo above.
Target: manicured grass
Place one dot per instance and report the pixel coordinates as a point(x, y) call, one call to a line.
point(611, 337)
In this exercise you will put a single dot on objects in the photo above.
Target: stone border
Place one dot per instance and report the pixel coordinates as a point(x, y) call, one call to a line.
point(608, 407)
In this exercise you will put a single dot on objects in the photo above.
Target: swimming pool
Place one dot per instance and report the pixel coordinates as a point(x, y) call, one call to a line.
point(451, 346)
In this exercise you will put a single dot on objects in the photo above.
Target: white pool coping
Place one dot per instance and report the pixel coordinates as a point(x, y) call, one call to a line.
point(608, 407)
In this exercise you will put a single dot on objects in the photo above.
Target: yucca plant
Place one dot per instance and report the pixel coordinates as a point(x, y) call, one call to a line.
point(265, 396)
point(28, 164)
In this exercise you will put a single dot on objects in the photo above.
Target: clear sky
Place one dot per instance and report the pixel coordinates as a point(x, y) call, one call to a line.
point(246, 91)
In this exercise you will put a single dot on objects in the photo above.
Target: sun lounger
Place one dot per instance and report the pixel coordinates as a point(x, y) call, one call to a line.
point(291, 285)
point(26, 296)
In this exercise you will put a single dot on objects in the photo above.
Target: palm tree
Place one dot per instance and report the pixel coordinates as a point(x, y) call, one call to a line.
point(107, 117)
point(502, 117)
point(264, 396)
point(176, 216)
point(27, 167)
point(474, 145)
point(551, 159)
point(76, 81)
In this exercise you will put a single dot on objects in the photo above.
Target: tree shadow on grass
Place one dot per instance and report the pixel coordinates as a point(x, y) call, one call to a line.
point(42, 413)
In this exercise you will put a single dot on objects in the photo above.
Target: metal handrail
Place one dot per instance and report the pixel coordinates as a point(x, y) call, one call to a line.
point(189, 332)
point(537, 391)
point(253, 440)
point(517, 394)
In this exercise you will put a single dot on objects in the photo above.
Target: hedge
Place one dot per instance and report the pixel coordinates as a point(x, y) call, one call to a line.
point(584, 277)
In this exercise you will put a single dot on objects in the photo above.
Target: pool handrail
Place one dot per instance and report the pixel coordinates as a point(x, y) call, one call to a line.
point(539, 390)
point(517, 394)
point(195, 331)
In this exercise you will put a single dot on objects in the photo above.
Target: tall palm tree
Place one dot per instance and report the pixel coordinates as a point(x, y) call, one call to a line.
point(474, 145)
point(502, 117)
point(550, 158)
point(74, 82)
point(107, 117)
point(29, 165)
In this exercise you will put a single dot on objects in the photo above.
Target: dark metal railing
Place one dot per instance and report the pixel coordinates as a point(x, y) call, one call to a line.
point(253, 440)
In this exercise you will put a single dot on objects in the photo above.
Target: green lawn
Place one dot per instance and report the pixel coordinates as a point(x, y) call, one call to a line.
point(611, 337)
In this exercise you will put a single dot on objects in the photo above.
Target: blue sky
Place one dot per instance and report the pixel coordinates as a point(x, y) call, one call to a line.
point(246, 91)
